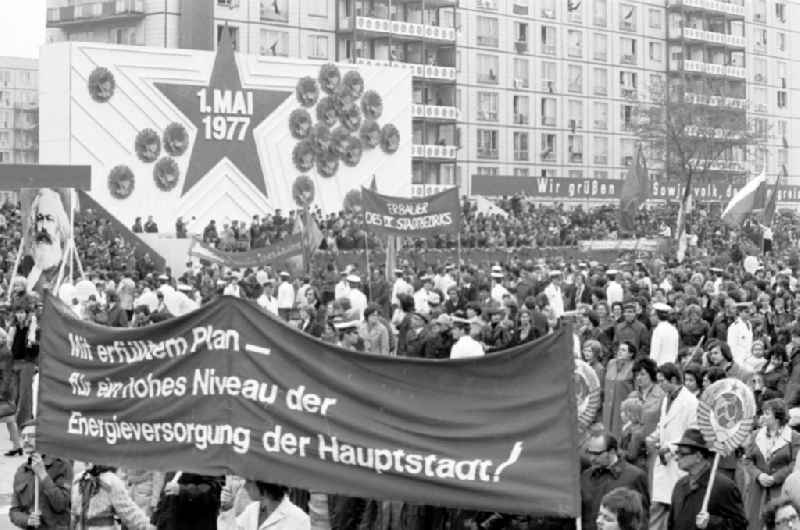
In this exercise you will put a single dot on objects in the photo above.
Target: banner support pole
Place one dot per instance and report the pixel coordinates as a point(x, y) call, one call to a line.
point(368, 283)
point(458, 259)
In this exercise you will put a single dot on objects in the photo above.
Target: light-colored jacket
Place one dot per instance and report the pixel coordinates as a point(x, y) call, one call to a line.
point(286, 516)
point(681, 415)
point(664, 343)
point(110, 500)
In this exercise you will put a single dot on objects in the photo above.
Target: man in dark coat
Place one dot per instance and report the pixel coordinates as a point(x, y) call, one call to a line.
point(117, 317)
point(608, 471)
point(725, 509)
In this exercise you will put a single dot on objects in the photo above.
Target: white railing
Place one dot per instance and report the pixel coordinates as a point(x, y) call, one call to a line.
point(434, 151)
point(694, 66)
point(711, 5)
point(735, 71)
point(423, 190)
point(395, 27)
point(435, 112)
point(418, 70)
point(715, 69)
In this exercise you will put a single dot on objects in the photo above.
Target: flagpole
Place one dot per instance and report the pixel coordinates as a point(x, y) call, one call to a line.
point(458, 259)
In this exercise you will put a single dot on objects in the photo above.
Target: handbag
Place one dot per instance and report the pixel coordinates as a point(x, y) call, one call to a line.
point(7, 408)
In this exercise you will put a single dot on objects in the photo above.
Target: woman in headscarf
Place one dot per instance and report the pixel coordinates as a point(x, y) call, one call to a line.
point(100, 498)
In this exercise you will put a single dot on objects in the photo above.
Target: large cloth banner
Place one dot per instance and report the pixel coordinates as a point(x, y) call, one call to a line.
point(417, 217)
point(229, 389)
point(277, 254)
point(660, 244)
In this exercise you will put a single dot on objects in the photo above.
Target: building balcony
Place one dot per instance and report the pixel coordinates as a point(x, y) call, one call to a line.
point(400, 29)
point(715, 101)
point(520, 118)
point(627, 58)
point(488, 154)
point(435, 112)
point(442, 152)
point(721, 39)
point(423, 190)
point(719, 165)
point(75, 15)
point(714, 69)
point(422, 71)
point(709, 5)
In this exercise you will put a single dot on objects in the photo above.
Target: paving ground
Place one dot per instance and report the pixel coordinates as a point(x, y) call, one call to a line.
point(7, 468)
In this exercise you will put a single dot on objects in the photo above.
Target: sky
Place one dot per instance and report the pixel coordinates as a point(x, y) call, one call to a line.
point(22, 27)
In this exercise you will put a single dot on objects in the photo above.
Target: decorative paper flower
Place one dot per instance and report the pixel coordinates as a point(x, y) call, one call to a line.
point(390, 139)
point(300, 123)
point(326, 111)
point(352, 201)
point(370, 134)
point(166, 173)
point(350, 117)
point(307, 91)
point(338, 139)
point(327, 164)
point(176, 139)
point(329, 77)
point(303, 191)
point(147, 145)
point(303, 155)
point(353, 84)
point(101, 84)
point(372, 105)
point(352, 151)
point(121, 182)
point(320, 138)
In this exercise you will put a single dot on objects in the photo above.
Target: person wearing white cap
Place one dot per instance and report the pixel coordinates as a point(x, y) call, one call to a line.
point(348, 334)
point(266, 300)
point(358, 300)
point(665, 340)
point(554, 294)
point(285, 296)
point(444, 278)
point(400, 286)
point(232, 288)
point(498, 291)
point(422, 295)
point(342, 287)
point(464, 346)
point(614, 292)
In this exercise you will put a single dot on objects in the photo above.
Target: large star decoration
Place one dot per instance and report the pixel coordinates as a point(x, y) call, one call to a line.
point(224, 115)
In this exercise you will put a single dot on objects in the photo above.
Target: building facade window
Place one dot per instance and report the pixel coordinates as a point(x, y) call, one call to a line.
point(274, 10)
point(628, 83)
point(780, 12)
point(522, 172)
point(575, 78)
point(317, 46)
point(600, 150)
point(521, 7)
point(575, 43)
point(575, 148)
point(487, 68)
point(548, 39)
point(488, 32)
point(599, 81)
point(600, 47)
point(489, 171)
point(521, 73)
point(655, 18)
point(627, 17)
point(521, 109)
point(487, 106)
point(656, 52)
point(548, 112)
point(487, 143)
point(600, 13)
point(274, 43)
point(521, 35)
point(547, 9)
point(548, 76)
point(520, 146)
point(548, 150)
point(627, 47)
point(626, 114)
point(317, 8)
point(600, 116)
point(626, 151)
point(574, 114)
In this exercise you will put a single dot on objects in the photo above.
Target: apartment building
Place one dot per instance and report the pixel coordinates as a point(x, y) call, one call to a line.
point(524, 88)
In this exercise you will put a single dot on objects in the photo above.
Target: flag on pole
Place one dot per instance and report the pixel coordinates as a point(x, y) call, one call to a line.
point(746, 200)
point(772, 200)
point(634, 192)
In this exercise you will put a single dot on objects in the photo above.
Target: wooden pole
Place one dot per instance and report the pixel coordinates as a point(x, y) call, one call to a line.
point(711, 478)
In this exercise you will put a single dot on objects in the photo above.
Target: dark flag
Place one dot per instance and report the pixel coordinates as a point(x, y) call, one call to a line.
point(634, 192)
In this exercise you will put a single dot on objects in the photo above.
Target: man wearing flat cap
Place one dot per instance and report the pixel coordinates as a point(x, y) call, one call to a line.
point(725, 509)
point(631, 330)
point(666, 340)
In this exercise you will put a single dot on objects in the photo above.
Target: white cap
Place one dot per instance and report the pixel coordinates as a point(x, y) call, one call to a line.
point(352, 324)
point(353, 278)
point(612, 272)
point(284, 274)
point(665, 308)
point(183, 287)
point(497, 275)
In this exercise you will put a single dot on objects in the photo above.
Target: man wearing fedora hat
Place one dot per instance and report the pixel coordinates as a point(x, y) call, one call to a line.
point(725, 509)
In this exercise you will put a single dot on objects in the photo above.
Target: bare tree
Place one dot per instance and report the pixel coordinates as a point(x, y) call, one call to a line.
point(693, 138)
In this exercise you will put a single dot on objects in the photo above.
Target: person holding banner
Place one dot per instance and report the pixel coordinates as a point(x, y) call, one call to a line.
point(724, 510)
point(53, 477)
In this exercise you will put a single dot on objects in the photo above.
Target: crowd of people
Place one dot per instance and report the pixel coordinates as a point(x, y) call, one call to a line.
point(655, 332)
